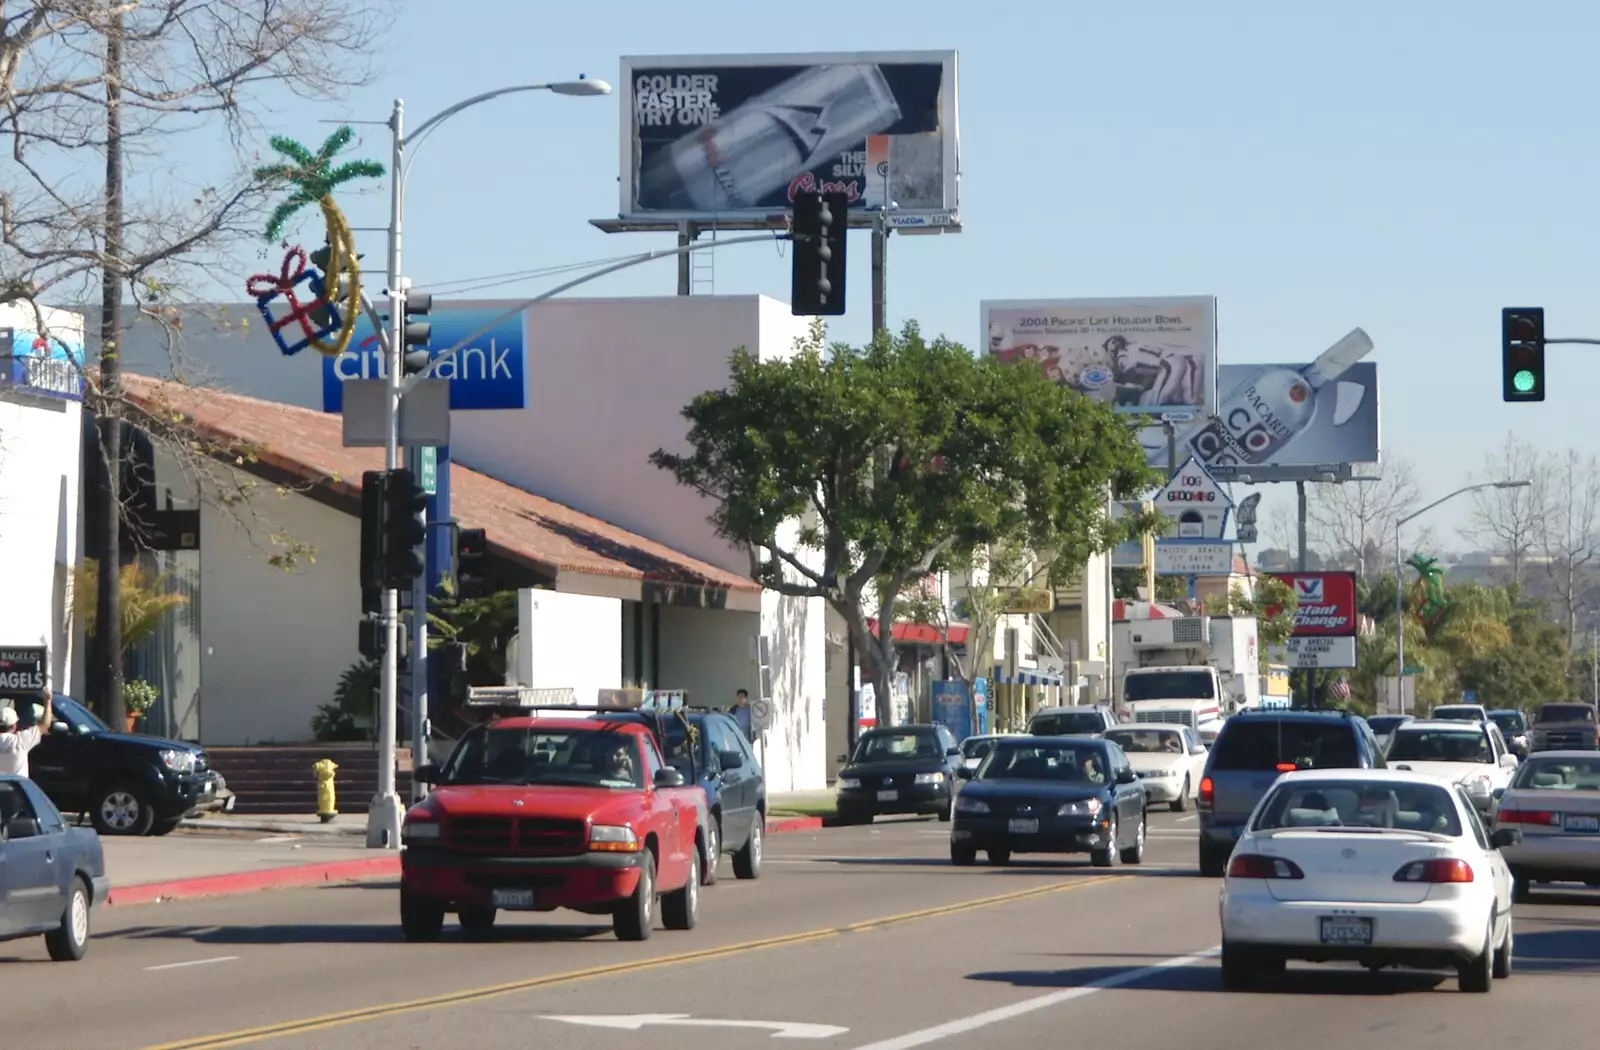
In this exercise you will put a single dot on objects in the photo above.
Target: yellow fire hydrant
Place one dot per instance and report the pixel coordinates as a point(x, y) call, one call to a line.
point(327, 808)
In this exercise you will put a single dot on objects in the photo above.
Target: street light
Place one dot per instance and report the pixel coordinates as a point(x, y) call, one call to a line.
point(1399, 613)
point(384, 818)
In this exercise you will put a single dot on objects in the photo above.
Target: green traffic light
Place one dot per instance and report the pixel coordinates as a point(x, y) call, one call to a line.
point(1523, 381)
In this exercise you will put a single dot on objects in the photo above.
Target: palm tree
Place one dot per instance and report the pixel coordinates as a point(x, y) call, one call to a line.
point(142, 596)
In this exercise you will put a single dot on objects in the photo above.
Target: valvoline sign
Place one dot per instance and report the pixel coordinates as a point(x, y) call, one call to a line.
point(1327, 606)
point(488, 373)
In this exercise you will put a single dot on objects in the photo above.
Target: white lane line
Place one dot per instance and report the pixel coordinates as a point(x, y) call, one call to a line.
point(1027, 1006)
point(1185, 820)
point(191, 962)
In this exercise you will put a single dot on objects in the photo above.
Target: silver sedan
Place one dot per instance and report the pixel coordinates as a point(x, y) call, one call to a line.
point(1554, 800)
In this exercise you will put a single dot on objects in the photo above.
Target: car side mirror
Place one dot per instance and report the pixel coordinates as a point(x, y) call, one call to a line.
point(954, 752)
point(1198, 749)
point(730, 759)
point(21, 828)
point(1504, 837)
point(843, 759)
point(1499, 793)
point(1127, 776)
point(427, 773)
point(60, 728)
point(964, 773)
point(1508, 761)
point(668, 778)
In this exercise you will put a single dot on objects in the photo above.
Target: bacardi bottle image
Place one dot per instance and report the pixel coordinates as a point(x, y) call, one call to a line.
point(740, 158)
point(1262, 415)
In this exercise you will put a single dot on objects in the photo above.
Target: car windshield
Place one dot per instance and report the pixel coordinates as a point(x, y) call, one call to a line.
point(1382, 724)
point(675, 748)
point(1259, 745)
point(1169, 685)
point(1066, 723)
point(1566, 713)
point(1147, 741)
point(890, 746)
point(1359, 804)
point(1063, 763)
point(1559, 774)
point(1511, 723)
point(1440, 745)
point(1458, 714)
point(976, 747)
point(554, 757)
point(80, 718)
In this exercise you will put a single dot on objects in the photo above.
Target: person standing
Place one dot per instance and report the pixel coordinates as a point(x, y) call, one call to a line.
point(16, 743)
point(741, 713)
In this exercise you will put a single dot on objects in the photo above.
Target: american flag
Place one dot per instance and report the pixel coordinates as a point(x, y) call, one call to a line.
point(1339, 690)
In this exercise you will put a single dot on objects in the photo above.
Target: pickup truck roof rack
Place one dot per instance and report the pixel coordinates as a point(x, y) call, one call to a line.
point(511, 701)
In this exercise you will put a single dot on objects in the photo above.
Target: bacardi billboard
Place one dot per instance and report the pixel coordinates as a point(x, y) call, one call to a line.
point(730, 139)
point(1325, 621)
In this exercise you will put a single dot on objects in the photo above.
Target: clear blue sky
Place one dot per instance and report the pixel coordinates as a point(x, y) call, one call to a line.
point(1409, 168)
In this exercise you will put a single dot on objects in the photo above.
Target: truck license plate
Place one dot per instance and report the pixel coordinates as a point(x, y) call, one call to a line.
point(1581, 822)
point(888, 796)
point(1346, 931)
point(513, 900)
point(1023, 825)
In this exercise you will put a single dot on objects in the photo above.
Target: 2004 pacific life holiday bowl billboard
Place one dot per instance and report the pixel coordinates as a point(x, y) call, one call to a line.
point(1144, 356)
point(730, 139)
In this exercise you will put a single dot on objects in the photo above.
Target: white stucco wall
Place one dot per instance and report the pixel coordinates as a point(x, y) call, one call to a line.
point(573, 641)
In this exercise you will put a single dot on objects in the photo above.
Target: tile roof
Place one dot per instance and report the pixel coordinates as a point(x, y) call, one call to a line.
point(525, 527)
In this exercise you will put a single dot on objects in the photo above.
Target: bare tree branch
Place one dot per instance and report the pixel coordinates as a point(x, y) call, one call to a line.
point(1355, 522)
point(1507, 523)
point(1569, 531)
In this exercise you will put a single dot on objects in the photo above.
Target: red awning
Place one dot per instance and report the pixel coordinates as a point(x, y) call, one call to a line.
point(923, 633)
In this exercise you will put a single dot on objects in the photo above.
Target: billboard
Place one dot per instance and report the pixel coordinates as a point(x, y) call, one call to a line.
point(486, 375)
point(1144, 356)
point(49, 363)
point(731, 139)
point(1284, 416)
point(1325, 622)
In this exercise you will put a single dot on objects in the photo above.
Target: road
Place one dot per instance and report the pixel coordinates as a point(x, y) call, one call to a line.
point(865, 937)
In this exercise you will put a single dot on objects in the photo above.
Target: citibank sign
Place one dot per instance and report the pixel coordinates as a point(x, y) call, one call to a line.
point(489, 373)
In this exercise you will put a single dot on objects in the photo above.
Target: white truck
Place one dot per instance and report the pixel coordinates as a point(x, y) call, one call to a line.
point(1189, 670)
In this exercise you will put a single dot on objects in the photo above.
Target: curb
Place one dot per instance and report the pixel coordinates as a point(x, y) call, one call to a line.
point(277, 827)
point(300, 876)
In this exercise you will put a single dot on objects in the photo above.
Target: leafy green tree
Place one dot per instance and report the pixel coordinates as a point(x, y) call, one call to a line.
point(848, 472)
point(1273, 607)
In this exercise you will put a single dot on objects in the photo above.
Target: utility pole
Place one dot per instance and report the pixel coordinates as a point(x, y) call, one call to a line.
point(108, 607)
point(880, 252)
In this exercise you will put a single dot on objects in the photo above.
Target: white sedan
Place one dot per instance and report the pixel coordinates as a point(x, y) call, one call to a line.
point(1169, 759)
point(1375, 866)
point(1474, 754)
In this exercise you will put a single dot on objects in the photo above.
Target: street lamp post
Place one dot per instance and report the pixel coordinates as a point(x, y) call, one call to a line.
point(1399, 609)
point(384, 817)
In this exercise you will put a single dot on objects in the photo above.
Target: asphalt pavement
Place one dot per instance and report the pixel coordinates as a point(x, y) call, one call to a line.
point(854, 938)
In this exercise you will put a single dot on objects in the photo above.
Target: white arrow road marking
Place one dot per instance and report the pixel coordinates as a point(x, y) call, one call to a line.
point(634, 1022)
point(192, 962)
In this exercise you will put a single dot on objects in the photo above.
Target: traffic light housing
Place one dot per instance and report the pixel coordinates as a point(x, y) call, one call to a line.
point(416, 334)
point(374, 507)
point(404, 529)
point(1522, 353)
point(820, 224)
point(472, 558)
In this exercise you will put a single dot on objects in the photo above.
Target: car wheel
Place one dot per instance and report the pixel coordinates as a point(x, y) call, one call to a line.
point(1134, 854)
point(1239, 970)
point(1521, 887)
point(123, 809)
point(680, 909)
point(421, 919)
point(747, 862)
point(68, 941)
point(476, 921)
point(949, 809)
point(1213, 861)
point(1181, 803)
point(1503, 954)
point(962, 855)
point(1477, 975)
point(999, 857)
point(634, 918)
point(166, 827)
point(708, 872)
point(1107, 857)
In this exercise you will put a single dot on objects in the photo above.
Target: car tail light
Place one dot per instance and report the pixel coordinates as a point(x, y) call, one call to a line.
point(1255, 866)
point(1208, 793)
point(1285, 767)
point(1528, 816)
point(1438, 870)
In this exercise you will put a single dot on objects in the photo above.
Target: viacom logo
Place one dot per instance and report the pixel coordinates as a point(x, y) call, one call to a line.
point(489, 373)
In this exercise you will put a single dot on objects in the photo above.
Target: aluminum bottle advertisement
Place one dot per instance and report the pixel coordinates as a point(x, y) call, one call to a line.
point(724, 137)
point(1285, 415)
point(1144, 356)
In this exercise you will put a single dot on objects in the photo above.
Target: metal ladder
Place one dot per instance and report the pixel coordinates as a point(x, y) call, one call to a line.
point(703, 267)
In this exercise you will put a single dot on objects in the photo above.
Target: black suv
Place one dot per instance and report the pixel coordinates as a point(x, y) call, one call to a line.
point(1253, 750)
point(1084, 720)
point(127, 784)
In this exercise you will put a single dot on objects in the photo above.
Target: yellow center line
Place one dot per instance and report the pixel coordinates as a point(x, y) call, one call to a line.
point(472, 995)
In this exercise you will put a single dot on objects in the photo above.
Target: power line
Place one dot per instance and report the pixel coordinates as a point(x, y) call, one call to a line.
point(462, 285)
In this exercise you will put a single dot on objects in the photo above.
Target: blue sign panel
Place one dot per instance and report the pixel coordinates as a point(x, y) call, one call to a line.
point(489, 373)
point(951, 707)
point(51, 365)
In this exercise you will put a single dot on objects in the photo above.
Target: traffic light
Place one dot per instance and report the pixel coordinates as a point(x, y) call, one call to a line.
point(472, 557)
point(1522, 353)
point(374, 505)
point(820, 222)
point(404, 528)
point(416, 333)
point(326, 313)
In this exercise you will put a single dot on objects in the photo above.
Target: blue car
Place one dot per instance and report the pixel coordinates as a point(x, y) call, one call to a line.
point(51, 874)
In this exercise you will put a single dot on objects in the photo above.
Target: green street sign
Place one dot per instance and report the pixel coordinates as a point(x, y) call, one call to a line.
point(1412, 669)
point(429, 475)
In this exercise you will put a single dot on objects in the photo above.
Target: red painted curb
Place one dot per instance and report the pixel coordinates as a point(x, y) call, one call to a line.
point(794, 824)
point(252, 881)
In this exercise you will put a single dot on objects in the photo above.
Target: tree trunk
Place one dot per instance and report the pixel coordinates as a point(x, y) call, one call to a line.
point(883, 668)
point(108, 618)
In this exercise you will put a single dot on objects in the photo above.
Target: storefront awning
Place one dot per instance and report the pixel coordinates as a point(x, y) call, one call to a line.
point(924, 633)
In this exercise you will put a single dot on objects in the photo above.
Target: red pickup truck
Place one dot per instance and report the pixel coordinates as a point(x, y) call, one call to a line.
point(535, 814)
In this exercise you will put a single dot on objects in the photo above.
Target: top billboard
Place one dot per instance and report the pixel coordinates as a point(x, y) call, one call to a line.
point(1144, 356)
point(731, 139)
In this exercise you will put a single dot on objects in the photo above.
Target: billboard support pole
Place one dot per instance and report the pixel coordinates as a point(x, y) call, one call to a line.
point(1172, 448)
point(687, 233)
point(1300, 522)
point(880, 251)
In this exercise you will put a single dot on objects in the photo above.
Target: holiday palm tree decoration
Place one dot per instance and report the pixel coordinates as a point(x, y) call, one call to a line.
point(314, 178)
point(1427, 594)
